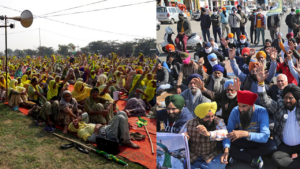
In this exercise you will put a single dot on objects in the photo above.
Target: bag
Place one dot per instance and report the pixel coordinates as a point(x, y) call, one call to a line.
point(107, 145)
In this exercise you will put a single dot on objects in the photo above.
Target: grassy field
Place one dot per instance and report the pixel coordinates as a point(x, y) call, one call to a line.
point(25, 145)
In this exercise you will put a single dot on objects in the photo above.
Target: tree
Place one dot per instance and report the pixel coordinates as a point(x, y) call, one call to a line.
point(30, 52)
point(63, 49)
point(9, 51)
point(43, 50)
point(144, 46)
point(2, 53)
point(71, 47)
point(19, 53)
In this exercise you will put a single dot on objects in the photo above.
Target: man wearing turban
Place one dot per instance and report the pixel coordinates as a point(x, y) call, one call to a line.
point(214, 82)
point(226, 99)
point(174, 61)
point(232, 43)
point(203, 132)
point(174, 116)
point(242, 44)
point(163, 79)
point(287, 116)
point(248, 129)
point(164, 158)
point(193, 95)
point(249, 81)
point(189, 67)
point(296, 21)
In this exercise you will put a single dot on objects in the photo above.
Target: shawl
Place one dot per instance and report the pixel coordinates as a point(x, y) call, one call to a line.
point(52, 92)
point(36, 88)
point(20, 84)
point(80, 95)
point(3, 84)
point(150, 90)
point(12, 85)
point(18, 73)
point(24, 80)
point(89, 102)
point(63, 104)
point(134, 80)
point(102, 79)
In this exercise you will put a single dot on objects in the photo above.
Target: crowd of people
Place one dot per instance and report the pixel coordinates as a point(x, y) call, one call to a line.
point(242, 119)
point(43, 85)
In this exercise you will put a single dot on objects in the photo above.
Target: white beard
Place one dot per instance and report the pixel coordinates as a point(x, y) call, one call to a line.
point(217, 83)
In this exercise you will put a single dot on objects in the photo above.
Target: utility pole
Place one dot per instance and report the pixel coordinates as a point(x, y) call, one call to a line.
point(40, 40)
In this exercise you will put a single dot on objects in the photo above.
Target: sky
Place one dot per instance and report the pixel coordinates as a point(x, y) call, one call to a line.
point(171, 141)
point(136, 21)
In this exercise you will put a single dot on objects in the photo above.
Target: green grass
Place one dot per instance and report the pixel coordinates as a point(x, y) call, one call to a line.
point(25, 145)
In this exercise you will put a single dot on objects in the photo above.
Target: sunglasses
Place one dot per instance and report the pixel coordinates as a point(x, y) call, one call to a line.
point(245, 55)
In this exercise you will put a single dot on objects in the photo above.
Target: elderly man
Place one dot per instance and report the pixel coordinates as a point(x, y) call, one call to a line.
point(212, 61)
point(286, 129)
point(249, 81)
point(189, 67)
point(248, 128)
point(172, 119)
point(261, 57)
point(193, 95)
point(203, 133)
point(226, 99)
point(216, 81)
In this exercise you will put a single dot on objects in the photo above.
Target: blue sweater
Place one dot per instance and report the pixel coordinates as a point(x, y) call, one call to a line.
point(223, 18)
point(243, 66)
point(259, 127)
point(205, 21)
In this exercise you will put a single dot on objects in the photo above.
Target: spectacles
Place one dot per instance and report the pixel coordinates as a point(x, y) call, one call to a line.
point(245, 55)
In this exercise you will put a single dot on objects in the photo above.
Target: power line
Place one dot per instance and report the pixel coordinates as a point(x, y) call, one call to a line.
point(74, 7)
point(122, 6)
point(20, 31)
point(82, 26)
point(63, 35)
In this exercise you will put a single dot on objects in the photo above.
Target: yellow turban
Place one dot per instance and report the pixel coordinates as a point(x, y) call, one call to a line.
point(261, 53)
point(202, 109)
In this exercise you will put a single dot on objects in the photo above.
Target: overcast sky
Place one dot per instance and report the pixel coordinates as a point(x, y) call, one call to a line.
point(137, 20)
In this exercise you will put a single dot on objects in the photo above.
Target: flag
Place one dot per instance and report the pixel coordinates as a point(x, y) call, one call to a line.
point(276, 9)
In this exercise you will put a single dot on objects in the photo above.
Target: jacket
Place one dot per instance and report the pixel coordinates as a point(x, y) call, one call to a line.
point(223, 18)
point(240, 46)
point(191, 102)
point(263, 20)
point(186, 70)
point(288, 21)
point(215, 20)
point(209, 82)
point(162, 115)
point(252, 19)
point(186, 26)
point(230, 45)
point(234, 20)
point(200, 145)
point(296, 21)
point(276, 19)
point(243, 18)
point(205, 21)
point(226, 104)
point(162, 76)
point(279, 110)
point(282, 68)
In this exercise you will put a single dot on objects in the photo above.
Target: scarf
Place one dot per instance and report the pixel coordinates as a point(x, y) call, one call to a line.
point(19, 84)
point(102, 79)
point(52, 92)
point(36, 88)
point(83, 131)
point(64, 104)
point(3, 84)
point(12, 85)
point(43, 75)
point(93, 76)
point(18, 73)
point(134, 81)
point(24, 80)
point(150, 90)
point(80, 95)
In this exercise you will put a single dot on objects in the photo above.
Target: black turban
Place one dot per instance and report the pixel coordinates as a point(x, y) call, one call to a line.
point(295, 90)
point(268, 40)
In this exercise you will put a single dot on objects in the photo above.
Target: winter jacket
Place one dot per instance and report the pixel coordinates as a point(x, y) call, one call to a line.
point(288, 21)
point(234, 20)
point(205, 21)
point(186, 26)
point(215, 20)
point(276, 19)
point(224, 19)
point(296, 21)
point(243, 18)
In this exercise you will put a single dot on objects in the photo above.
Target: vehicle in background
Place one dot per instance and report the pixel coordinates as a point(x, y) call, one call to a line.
point(168, 14)
point(157, 25)
point(251, 7)
point(195, 15)
point(284, 9)
point(229, 8)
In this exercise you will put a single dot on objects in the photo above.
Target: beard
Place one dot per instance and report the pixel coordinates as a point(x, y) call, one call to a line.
point(245, 118)
point(210, 126)
point(217, 83)
point(290, 107)
point(175, 118)
point(232, 96)
point(193, 90)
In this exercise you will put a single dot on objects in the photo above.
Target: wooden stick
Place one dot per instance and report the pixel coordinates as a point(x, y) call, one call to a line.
point(89, 148)
point(149, 139)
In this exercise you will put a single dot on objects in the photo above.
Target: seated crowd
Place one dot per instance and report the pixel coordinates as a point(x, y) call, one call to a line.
point(234, 119)
point(43, 86)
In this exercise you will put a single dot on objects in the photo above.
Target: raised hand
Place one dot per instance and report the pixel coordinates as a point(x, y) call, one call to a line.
point(201, 62)
point(199, 83)
point(268, 50)
point(289, 54)
point(231, 53)
point(273, 54)
point(236, 84)
point(291, 45)
point(261, 74)
point(224, 41)
point(297, 68)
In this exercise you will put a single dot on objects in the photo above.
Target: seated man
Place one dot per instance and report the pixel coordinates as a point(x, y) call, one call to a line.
point(172, 119)
point(242, 44)
point(163, 79)
point(287, 126)
point(244, 59)
point(248, 128)
point(232, 43)
point(203, 132)
point(173, 60)
point(214, 82)
point(189, 67)
point(192, 96)
point(117, 129)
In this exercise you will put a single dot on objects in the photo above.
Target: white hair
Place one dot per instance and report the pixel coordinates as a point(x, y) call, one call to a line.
point(286, 79)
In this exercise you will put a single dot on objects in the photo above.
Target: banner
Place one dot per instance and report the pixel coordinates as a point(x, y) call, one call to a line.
point(276, 9)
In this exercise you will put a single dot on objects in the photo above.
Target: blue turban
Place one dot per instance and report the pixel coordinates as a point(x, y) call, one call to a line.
point(192, 76)
point(234, 8)
point(208, 44)
point(279, 33)
point(211, 56)
point(230, 81)
point(218, 68)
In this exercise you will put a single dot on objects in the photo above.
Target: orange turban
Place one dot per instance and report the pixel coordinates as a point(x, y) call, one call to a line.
point(242, 37)
point(246, 50)
point(261, 53)
point(224, 9)
point(231, 35)
point(252, 65)
point(170, 46)
point(139, 71)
